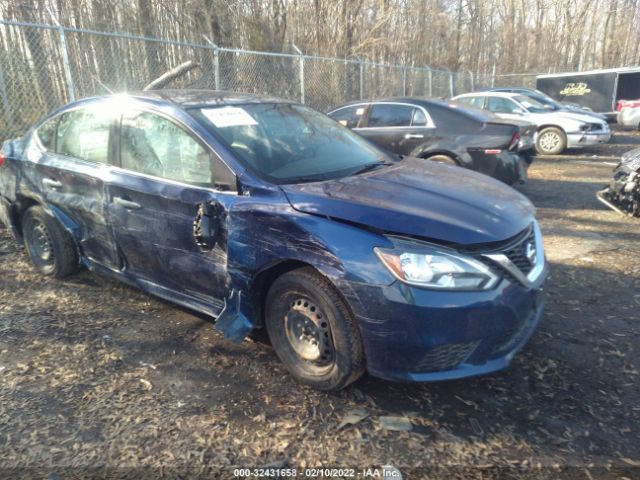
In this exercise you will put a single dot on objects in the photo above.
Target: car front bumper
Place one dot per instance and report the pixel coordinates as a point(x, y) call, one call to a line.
point(414, 334)
point(582, 139)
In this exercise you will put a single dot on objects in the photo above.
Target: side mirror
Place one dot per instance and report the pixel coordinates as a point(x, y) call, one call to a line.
point(206, 225)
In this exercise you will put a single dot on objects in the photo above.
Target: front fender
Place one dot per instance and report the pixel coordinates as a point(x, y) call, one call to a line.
point(263, 236)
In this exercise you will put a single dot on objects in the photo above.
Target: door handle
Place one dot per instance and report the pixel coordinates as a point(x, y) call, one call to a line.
point(128, 204)
point(51, 183)
point(413, 135)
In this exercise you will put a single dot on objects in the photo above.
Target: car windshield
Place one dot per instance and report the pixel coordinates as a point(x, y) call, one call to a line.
point(531, 104)
point(288, 143)
point(548, 102)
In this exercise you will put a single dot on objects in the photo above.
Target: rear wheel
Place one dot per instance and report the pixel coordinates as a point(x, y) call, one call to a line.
point(551, 141)
point(50, 247)
point(312, 330)
point(442, 159)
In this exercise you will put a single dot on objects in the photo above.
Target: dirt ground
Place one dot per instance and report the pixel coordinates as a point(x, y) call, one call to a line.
point(94, 374)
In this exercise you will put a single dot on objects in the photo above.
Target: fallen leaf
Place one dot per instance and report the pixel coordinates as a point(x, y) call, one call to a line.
point(398, 424)
point(353, 416)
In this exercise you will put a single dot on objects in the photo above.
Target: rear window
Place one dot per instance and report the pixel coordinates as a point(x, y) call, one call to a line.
point(84, 134)
point(468, 111)
point(387, 115)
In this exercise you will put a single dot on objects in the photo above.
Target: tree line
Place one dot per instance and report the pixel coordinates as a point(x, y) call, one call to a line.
point(512, 36)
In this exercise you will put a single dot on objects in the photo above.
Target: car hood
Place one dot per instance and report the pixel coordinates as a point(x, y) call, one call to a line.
point(417, 197)
point(572, 115)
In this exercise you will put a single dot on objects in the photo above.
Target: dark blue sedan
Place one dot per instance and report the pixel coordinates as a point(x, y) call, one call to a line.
point(263, 213)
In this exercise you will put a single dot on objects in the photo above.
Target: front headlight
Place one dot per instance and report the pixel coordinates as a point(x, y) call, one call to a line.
point(432, 267)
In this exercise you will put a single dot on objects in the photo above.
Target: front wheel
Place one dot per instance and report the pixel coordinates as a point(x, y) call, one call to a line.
point(551, 141)
point(312, 330)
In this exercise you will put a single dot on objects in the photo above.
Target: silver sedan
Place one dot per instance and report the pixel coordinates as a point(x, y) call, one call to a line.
point(557, 130)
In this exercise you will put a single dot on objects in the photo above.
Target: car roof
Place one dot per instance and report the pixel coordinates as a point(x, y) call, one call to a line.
point(489, 93)
point(412, 100)
point(188, 98)
point(193, 97)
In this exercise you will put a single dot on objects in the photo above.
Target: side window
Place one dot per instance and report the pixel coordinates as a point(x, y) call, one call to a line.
point(389, 115)
point(419, 118)
point(84, 134)
point(349, 116)
point(477, 102)
point(501, 105)
point(47, 134)
point(156, 146)
point(464, 100)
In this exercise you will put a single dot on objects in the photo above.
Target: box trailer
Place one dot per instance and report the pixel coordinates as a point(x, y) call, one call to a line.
point(598, 90)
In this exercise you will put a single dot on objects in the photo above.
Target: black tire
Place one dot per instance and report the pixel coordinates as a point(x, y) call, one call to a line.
point(50, 247)
point(441, 158)
point(304, 297)
point(551, 141)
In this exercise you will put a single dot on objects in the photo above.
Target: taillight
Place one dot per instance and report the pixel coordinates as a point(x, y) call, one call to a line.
point(513, 144)
point(2, 157)
point(492, 151)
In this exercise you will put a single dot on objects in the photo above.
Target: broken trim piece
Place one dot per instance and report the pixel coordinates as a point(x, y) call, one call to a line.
point(232, 322)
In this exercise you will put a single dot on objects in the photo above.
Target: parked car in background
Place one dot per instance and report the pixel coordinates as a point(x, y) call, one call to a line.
point(262, 212)
point(623, 192)
point(620, 104)
point(549, 102)
point(629, 117)
point(443, 132)
point(628, 113)
point(557, 130)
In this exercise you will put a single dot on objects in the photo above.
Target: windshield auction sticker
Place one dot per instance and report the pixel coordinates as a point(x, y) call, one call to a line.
point(228, 117)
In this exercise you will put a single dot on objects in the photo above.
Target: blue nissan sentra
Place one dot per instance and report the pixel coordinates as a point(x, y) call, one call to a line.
point(263, 213)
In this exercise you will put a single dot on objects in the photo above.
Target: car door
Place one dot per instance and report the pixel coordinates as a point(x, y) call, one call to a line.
point(74, 150)
point(159, 201)
point(398, 128)
point(504, 107)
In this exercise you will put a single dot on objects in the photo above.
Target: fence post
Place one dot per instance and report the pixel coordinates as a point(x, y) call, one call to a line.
point(404, 81)
point(493, 76)
point(430, 82)
point(450, 83)
point(67, 65)
point(361, 64)
point(472, 82)
point(301, 60)
point(216, 62)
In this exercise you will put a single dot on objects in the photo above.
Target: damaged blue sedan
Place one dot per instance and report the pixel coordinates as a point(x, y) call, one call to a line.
point(263, 213)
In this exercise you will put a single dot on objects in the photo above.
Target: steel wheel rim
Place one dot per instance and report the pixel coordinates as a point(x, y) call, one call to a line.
point(550, 141)
point(42, 244)
point(309, 333)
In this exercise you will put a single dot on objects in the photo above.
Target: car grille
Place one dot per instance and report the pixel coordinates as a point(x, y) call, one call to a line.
point(445, 357)
point(594, 127)
point(518, 253)
point(515, 249)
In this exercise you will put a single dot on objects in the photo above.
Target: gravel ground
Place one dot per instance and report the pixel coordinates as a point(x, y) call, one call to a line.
point(94, 374)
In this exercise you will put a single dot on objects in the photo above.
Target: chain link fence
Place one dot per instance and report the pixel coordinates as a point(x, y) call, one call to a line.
point(45, 66)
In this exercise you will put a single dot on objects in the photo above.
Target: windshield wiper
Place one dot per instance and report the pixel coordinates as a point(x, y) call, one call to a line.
point(371, 166)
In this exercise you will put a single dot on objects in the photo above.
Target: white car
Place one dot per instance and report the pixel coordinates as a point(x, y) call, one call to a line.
point(629, 117)
point(557, 130)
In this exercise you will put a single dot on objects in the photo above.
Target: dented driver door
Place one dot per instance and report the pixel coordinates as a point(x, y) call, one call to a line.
point(168, 221)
